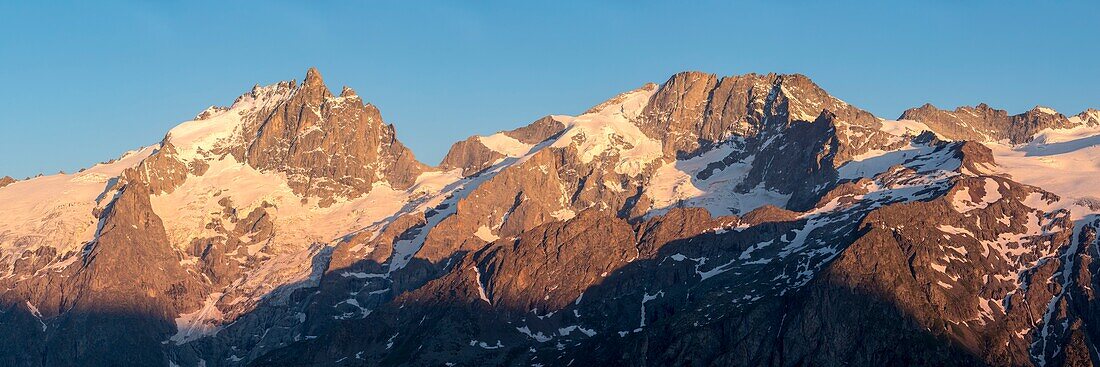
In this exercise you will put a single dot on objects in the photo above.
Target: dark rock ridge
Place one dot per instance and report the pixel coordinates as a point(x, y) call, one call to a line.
point(570, 253)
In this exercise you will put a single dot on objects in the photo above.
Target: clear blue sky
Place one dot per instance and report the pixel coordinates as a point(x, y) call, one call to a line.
point(84, 82)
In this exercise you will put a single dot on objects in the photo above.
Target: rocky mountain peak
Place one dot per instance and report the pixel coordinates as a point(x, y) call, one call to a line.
point(1088, 117)
point(347, 92)
point(985, 123)
point(313, 88)
point(693, 111)
point(329, 147)
point(1044, 109)
point(313, 78)
point(477, 153)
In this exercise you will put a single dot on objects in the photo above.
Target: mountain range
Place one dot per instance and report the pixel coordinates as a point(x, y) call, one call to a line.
point(742, 220)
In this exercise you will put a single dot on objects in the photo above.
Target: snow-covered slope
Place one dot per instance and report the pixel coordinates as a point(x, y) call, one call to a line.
point(1063, 161)
point(609, 129)
point(57, 210)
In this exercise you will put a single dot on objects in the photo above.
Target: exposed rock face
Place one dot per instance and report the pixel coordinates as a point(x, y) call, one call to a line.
point(798, 162)
point(6, 180)
point(473, 155)
point(328, 146)
point(142, 303)
point(1089, 117)
point(591, 244)
point(693, 109)
point(510, 202)
point(984, 123)
point(116, 301)
point(743, 221)
point(538, 131)
point(162, 172)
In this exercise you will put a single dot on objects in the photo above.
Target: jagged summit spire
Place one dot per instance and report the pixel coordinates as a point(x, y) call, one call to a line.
point(313, 87)
point(313, 77)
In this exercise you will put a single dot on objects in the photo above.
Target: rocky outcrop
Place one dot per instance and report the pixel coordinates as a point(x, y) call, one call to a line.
point(510, 202)
point(1089, 117)
point(162, 171)
point(586, 248)
point(538, 131)
point(984, 123)
point(473, 156)
point(6, 180)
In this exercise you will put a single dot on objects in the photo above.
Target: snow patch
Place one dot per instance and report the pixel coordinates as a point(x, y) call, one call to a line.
point(677, 184)
point(504, 144)
point(903, 127)
point(539, 336)
point(955, 230)
point(486, 234)
point(609, 129)
point(480, 286)
point(194, 325)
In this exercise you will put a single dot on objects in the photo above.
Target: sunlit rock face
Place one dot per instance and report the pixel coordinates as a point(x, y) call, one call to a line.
point(738, 220)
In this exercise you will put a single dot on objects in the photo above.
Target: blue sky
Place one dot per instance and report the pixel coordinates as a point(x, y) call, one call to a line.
point(84, 82)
